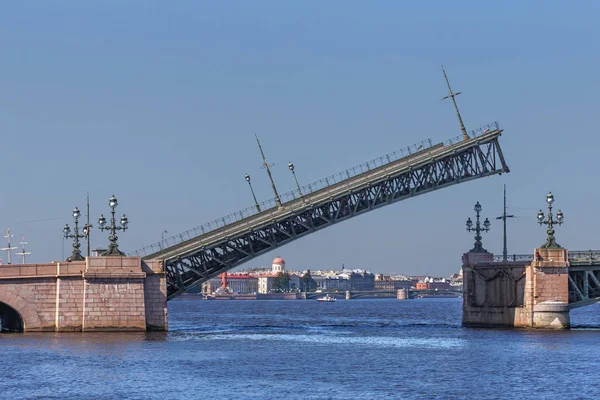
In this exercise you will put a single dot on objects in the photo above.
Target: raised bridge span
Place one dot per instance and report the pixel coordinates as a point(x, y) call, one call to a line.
point(199, 254)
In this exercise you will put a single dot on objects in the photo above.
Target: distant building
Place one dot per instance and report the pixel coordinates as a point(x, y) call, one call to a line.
point(242, 284)
point(362, 280)
point(278, 265)
point(390, 285)
point(431, 284)
point(328, 283)
point(265, 283)
point(98, 252)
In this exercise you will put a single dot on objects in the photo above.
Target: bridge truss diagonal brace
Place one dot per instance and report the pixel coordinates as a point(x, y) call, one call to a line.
point(584, 285)
point(210, 259)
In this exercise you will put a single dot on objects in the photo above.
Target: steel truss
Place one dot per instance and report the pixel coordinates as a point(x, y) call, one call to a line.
point(584, 285)
point(478, 159)
point(584, 275)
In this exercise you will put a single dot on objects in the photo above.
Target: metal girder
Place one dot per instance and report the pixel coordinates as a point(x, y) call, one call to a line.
point(584, 285)
point(584, 275)
point(192, 265)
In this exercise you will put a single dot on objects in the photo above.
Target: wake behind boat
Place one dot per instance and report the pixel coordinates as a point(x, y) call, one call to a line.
point(326, 298)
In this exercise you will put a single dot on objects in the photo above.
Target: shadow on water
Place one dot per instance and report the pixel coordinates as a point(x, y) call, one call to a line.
point(10, 320)
point(85, 341)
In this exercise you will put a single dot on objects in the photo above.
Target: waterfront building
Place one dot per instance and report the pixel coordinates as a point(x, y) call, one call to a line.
point(242, 284)
point(265, 283)
point(278, 265)
point(331, 283)
point(361, 280)
point(432, 284)
point(389, 285)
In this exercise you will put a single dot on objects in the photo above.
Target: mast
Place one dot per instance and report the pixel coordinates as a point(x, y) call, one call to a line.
point(23, 253)
point(9, 248)
point(86, 228)
point(452, 95)
point(503, 217)
point(266, 166)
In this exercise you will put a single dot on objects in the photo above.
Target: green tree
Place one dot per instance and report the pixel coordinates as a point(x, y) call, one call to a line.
point(281, 282)
point(308, 283)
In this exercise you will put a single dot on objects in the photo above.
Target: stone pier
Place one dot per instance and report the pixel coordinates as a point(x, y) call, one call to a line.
point(98, 294)
point(402, 294)
point(517, 294)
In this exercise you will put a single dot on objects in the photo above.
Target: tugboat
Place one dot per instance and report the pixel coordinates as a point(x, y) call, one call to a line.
point(326, 298)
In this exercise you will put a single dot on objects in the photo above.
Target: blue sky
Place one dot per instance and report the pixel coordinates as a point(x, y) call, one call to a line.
point(158, 103)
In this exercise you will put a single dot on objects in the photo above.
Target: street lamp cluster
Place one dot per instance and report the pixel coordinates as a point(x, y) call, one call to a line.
point(478, 229)
point(113, 248)
point(550, 221)
point(76, 255)
point(550, 239)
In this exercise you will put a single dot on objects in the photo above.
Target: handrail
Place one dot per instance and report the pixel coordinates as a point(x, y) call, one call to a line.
point(306, 190)
point(574, 256)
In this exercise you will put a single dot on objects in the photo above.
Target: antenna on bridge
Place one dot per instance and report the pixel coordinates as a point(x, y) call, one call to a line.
point(23, 253)
point(266, 166)
point(452, 95)
point(9, 248)
point(504, 217)
point(87, 226)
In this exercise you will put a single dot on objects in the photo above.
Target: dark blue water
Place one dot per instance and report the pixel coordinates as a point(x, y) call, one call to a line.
point(358, 349)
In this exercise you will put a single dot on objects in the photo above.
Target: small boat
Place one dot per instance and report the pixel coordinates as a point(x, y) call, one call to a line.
point(326, 298)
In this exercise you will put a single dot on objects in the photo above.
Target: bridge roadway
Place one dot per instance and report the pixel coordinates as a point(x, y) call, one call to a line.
point(291, 207)
point(423, 172)
point(333, 191)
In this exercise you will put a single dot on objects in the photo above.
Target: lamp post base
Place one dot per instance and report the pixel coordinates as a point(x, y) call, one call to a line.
point(76, 256)
point(550, 243)
point(113, 250)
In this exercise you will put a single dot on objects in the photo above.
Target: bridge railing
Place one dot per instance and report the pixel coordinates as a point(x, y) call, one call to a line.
point(514, 257)
point(306, 190)
point(494, 126)
point(584, 256)
point(574, 256)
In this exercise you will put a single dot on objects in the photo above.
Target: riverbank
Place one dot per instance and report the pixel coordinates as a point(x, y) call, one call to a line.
point(246, 296)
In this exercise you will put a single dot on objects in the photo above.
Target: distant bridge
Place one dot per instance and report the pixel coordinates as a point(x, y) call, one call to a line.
point(199, 254)
point(374, 294)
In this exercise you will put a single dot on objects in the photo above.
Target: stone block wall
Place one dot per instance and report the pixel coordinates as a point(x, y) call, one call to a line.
point(114, 304)
point(513, 294)
point(551, 276)
point(155, 295)
point(70, 306)
point(101, 293)
point(493, 293)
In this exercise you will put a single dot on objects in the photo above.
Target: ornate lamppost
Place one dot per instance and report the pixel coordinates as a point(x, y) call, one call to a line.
point(76, 255)
point(247, 177)
point(550, 240)
point(291, 167)
point(478, 229)
point(113, 248)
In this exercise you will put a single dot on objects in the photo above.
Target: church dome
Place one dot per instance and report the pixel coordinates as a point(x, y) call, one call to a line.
point(279, 261)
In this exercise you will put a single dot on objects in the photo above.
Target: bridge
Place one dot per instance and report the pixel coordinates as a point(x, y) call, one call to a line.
point(529, 291)
point(376, 294)
point(584, 275)
point(199, 254)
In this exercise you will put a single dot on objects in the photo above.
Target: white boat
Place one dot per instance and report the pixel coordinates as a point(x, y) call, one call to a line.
point(326, 298)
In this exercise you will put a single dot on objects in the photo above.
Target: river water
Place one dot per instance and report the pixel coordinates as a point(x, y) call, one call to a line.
point(357, 349)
